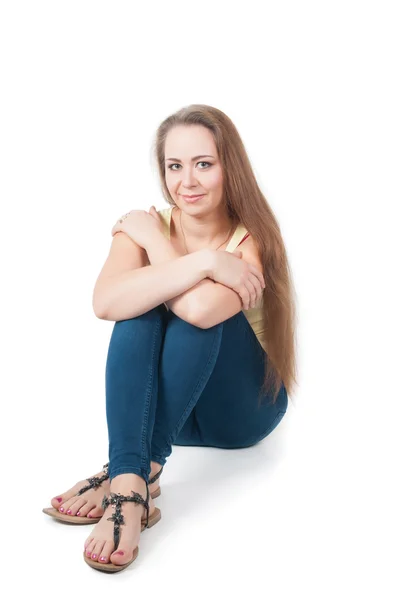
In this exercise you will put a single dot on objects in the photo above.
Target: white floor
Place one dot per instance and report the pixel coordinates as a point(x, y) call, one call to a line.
point(288, 516)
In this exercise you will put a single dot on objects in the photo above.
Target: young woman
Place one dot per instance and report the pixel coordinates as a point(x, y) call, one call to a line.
point(203, 351)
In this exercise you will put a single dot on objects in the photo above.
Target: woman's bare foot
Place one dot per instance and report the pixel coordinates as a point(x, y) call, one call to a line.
point(87, 504)
point(99, 546)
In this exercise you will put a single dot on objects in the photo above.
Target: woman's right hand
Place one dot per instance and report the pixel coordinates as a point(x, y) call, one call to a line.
point(242, 277)
point(141, 226)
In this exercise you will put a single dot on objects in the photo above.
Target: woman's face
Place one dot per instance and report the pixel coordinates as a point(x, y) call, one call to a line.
point(192, 167)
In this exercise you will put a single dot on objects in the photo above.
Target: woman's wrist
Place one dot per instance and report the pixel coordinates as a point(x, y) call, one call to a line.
point(209, 258)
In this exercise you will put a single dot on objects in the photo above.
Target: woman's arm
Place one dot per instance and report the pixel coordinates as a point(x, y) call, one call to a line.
point(123, 292)
point(159, 249)
point(208, 302)
point(146, 231)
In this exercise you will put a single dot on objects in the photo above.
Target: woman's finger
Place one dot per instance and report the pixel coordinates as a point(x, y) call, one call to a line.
point(244, 294)
point(253, 293)
point(257, 284)
point(257, 273)
point(116, 228)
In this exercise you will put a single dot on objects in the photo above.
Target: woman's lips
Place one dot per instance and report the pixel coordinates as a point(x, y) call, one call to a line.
point(191, 199)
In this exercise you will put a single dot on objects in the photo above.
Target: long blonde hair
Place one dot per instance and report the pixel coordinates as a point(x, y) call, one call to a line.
point(247, 205)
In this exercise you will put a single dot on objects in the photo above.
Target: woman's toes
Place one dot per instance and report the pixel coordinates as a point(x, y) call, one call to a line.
point(96, 552)
point(121, 556)
point(84, 509)
point(87, 542)
point(62, 498)
point(90, 546)
point(95, 511)
point(75, 507)
point(57, 501)
point(65, 506)
point(106, 552)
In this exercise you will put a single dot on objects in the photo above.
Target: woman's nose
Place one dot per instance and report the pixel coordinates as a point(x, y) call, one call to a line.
point(188, 177)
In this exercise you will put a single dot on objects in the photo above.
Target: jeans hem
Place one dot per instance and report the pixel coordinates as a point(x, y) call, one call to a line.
point(159, 459)
point(125, 470)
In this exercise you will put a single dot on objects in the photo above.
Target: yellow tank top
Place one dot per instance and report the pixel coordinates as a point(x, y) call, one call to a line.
point(253, 315)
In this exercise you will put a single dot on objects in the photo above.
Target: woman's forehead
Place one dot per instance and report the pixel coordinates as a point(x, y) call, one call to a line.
point(189, 142)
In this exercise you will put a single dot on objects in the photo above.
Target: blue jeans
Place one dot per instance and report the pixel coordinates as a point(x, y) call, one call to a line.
point(169, 382)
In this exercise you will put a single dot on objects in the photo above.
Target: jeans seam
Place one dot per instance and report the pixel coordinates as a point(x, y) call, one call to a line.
point(145, 459)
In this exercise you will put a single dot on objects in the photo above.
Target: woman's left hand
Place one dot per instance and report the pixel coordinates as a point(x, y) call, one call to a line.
point(141, 226)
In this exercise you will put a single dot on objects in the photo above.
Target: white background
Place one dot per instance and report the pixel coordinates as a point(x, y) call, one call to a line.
point(312, 89)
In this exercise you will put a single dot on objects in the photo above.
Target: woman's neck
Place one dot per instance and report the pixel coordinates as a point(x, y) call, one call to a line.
point(203, 231)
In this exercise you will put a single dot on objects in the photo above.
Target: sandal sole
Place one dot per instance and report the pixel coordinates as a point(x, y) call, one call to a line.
point(55, 514)
point(155, 494)
point(110, 567)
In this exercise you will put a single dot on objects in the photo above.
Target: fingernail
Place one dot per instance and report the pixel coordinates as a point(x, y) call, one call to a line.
point(68, 512)
point(58, 499)
point(61, 509)
point(93, 556)
point(78, 513)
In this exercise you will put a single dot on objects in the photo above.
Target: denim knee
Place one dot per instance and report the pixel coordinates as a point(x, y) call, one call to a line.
point(151, 316)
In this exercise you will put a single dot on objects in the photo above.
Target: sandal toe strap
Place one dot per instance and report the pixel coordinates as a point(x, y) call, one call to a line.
point(117, 500)
point(94, 482)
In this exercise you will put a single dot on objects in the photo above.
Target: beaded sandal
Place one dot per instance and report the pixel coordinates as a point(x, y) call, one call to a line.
point(93, 483)
point(117, 500)
point(156, 493)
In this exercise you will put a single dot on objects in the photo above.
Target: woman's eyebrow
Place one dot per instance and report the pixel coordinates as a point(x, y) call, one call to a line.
point(194, 158)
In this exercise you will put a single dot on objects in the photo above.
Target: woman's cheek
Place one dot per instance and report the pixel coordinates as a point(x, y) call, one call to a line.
point(214, 181)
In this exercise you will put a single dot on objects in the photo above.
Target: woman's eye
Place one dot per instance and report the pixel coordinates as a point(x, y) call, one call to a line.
point(202, 162)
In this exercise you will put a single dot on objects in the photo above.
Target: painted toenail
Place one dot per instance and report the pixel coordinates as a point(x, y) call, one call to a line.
point(93, 556)
point(58, 499)
point(120, 552)
point(102, 558)
point(61, 509)
point(88, 553)
point(78, 513)
point(90, 516)
point(68, 512)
